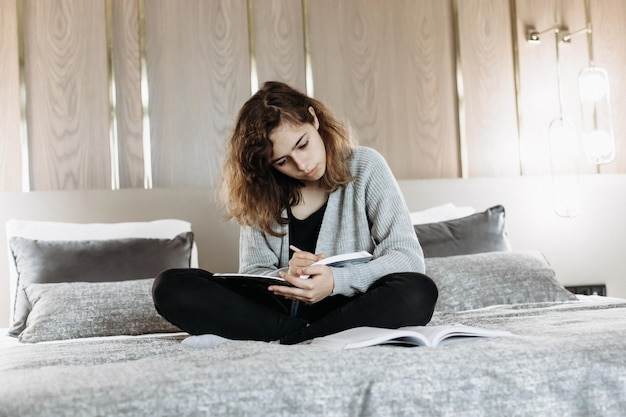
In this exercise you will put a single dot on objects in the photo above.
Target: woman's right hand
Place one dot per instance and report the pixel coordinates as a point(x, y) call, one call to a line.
point(302, 259)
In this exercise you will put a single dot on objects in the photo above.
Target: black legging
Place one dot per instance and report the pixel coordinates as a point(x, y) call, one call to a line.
point(199, 304)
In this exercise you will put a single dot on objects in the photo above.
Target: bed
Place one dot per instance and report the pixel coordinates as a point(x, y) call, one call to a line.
point(567, 359)
point(88, 346)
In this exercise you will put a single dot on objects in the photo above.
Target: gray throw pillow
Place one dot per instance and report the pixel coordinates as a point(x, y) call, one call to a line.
point(71, 310)
point(468, 282)
point(477, 233)
point(42, 261)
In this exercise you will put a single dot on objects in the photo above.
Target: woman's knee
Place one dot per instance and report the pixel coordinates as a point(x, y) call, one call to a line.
point(162, 283)
point(413, 283)
point(428, 287)
point(169, 285)
point(415, 289)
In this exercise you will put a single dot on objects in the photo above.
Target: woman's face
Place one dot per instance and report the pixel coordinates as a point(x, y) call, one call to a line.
point(299, 151)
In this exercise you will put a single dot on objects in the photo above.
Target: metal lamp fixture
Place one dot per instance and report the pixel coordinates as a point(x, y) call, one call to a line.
point(594, 91)
point(596, 132)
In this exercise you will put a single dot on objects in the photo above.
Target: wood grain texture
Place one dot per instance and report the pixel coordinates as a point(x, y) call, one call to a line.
point(486, 60)
point(609, 42)
point(198, 74)
point(126, 64)
point(386, 67)
point(66, 74)
point(345, 54)
point(388, 70)
point(279, 41)
point(10, 148)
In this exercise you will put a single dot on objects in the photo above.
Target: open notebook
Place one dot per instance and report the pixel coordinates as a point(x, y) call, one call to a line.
point(334, 261)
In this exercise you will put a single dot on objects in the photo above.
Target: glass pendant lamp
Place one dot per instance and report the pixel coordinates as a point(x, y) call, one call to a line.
point(564, 158)
point(597, 118)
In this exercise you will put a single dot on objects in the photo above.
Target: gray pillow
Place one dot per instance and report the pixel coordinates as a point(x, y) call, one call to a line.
point(477, 233)
point(474, 281)
point(71, 310)
point(42, 261)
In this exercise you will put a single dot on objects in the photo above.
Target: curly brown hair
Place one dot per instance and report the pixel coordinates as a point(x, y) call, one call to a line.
point(254, 192)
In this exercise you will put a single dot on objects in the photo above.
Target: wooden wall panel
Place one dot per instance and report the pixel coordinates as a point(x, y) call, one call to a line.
point(126, 65)
point(425, 135)
point(198, 72)
point(66, 75)
point(346, 53)
point(609, 38)
point(486, 59)
point(279, 40)
point(10, 149)
point(388, 69)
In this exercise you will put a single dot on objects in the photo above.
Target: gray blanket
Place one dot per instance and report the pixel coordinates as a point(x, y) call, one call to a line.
point(566, 359)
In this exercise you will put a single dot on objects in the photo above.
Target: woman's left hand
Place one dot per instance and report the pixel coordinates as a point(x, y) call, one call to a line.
point(309, 290)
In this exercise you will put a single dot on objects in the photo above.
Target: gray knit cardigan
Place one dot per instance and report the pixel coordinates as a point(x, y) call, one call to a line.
point(369, 214)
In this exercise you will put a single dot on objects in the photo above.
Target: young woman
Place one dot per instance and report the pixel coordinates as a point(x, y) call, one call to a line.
point(301, 190)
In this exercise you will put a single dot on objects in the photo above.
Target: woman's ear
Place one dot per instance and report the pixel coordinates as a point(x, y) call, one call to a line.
point(316, 122)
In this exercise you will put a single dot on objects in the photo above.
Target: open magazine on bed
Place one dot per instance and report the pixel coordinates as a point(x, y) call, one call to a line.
point(431, 336)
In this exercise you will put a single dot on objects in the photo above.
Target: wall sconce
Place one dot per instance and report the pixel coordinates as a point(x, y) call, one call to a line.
point(598, 141)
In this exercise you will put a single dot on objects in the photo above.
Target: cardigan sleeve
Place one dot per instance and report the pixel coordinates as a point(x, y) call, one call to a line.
point(260, 253)
point(395, 244)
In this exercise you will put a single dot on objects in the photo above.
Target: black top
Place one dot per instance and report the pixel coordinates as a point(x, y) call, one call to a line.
point(303, 233)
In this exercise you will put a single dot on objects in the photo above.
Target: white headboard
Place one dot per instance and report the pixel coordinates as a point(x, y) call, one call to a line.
point(587, 249)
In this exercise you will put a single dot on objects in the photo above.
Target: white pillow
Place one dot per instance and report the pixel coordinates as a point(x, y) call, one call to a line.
point(157, 229)
point(440, 213)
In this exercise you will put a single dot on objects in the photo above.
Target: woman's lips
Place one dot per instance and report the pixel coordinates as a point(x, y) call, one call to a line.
point(311, 173)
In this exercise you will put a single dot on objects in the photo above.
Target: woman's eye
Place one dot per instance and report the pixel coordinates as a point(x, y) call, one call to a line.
point(303, 145)
point(280, 162)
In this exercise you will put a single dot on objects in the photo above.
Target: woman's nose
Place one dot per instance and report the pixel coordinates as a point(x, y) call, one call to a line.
point(300, 163)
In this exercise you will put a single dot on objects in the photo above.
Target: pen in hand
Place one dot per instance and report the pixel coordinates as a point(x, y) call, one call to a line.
point(295, 303)
point(295, 249)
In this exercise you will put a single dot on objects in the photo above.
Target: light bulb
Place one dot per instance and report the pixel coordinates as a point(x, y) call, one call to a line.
point(599, 147)
point(597, 116)
point(593, 84)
